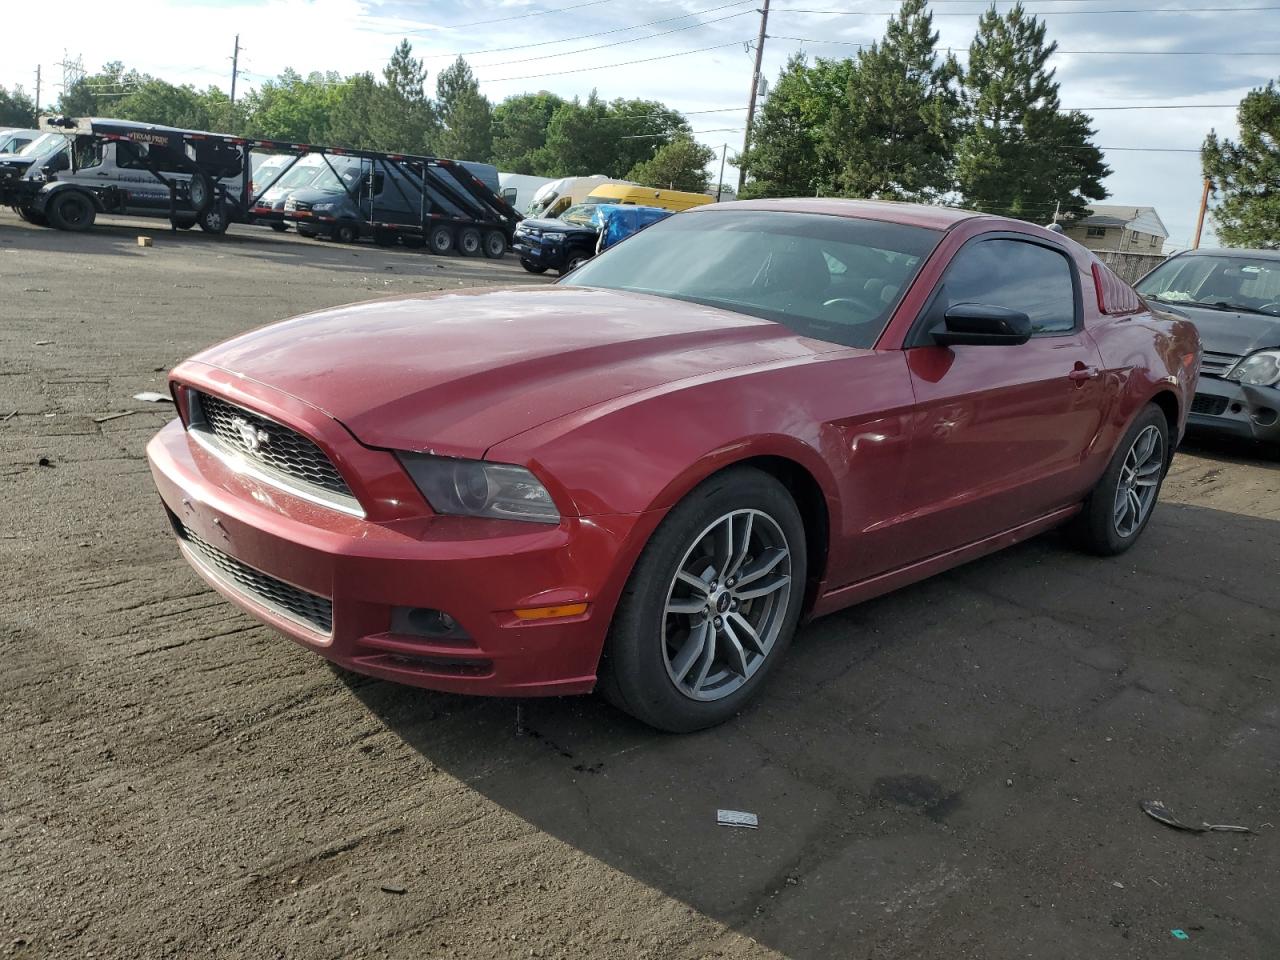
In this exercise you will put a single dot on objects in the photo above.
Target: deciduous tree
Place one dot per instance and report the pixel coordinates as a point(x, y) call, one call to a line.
point(679, 165)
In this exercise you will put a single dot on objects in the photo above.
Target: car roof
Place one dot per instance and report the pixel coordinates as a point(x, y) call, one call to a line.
point(1232, 252)
point(911, 214)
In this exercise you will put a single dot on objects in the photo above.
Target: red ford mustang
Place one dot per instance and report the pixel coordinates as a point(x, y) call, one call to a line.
point(646, 475)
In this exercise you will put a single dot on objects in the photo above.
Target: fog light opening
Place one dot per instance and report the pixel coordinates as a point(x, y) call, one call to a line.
point(1264, 416)
point(426, 622)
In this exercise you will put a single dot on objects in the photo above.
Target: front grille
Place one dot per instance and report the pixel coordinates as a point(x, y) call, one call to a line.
point(280, 451)
point(1217, 364)
point(307, 608)
point(1209, 404)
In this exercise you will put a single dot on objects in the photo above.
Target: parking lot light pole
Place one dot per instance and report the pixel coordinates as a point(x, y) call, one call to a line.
point(755, 90)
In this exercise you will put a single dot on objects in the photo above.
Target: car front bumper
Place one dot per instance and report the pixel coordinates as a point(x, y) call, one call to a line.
point(1237, 409)
point(235, 531)
point(539, 252)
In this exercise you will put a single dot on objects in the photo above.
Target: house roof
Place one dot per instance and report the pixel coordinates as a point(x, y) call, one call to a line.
point(1144, 219)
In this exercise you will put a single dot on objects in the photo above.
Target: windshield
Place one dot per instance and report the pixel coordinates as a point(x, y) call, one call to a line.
point(581, 214)
point(45, 143)
point(541, 202)
point(828, 277)
point(1218, 282)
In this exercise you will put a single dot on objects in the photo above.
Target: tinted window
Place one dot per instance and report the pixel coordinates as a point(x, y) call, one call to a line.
point(828, 277)
point(1016, 275)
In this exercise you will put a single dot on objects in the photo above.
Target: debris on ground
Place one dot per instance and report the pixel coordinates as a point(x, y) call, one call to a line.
point(144, 241)
point(396, 888)
point(113, 416)
point(737, 818)
point(150, 396)
point(9, 416)
point(1158, 811)
point(1180, 934)
point(45, 462)
point(43, 343)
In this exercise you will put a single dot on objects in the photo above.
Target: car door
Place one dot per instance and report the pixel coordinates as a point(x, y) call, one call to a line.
point(1000, 432)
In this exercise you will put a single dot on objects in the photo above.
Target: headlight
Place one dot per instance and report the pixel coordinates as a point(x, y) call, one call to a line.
point(553, 235)
point(476, 488)
point(1261, 369)
point(323, 206)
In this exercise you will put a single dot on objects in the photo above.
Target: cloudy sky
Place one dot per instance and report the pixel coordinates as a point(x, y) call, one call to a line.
point(521, 46)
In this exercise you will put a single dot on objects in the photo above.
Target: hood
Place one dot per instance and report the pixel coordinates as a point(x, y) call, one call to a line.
point(317, 194)
point(457, 372)
point(544, 224)
point(1229, 331)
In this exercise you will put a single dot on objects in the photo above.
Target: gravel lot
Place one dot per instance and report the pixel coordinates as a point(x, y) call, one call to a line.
point(952, 771)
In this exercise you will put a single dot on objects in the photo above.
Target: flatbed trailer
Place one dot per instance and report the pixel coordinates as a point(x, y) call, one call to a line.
point(208, 178)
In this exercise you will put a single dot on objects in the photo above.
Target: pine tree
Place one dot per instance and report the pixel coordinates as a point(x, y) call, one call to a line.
point(1020, 155)
point(465, 114)
point(892, 135)
point(1247, 174)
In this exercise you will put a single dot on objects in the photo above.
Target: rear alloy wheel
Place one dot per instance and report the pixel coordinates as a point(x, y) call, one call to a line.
point(441, 240)
point(711, 606)
point(470, 243)
point(213, 220)
point(495, 244)
point(71, 210)
point(1120, 506)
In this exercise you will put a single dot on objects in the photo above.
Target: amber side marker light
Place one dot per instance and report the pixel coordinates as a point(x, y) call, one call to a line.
point(548, 613)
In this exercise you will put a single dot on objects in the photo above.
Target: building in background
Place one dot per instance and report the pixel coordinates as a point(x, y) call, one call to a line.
point(1118, 229)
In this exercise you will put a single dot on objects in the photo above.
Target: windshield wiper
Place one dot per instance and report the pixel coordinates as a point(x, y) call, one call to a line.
point(1227, 305)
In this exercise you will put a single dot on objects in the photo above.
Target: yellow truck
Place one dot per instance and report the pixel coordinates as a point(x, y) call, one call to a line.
point(629, 193)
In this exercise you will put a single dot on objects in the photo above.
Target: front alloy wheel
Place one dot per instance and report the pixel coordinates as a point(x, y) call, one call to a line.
point(711, 605)
point(726, 605)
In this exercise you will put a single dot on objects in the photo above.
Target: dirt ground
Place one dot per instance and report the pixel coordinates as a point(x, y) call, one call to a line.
point(951, 771)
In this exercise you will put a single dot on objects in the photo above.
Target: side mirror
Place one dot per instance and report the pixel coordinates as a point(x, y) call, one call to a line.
point(59, 162)
point(983, 324)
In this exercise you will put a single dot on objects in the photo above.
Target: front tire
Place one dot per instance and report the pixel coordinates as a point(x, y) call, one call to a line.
point(345, 232)
point(1119, 508)
point(71, 210)
point(531, 266)
point(711, 606)
point(573, 263)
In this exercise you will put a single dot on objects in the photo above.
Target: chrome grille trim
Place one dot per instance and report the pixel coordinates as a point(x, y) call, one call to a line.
point(1217, 364)
point(308, 609)
point(302, 470)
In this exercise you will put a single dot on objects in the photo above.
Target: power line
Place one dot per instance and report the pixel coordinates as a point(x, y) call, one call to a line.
point(1078, 53)
point(522, 16)
point(692, 133)
point(590, 36)
point(615, 43)
point(1037, 13)
point(620, 63)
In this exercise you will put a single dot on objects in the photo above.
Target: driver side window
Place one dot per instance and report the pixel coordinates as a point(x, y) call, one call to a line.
point(1017, 275)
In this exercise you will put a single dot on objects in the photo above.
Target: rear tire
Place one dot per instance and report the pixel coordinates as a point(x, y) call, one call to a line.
point(470, 242)
point(1120, 506)
point(685, 669)
point(279, 227)
point(71, 210)
point(33, 216)
point(440, 240)
point(495, 244)
point(214, 220)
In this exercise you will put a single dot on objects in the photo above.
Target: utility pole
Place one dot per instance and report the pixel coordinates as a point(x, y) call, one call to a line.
point(1204, 203)
point(724, 150)
point(755, 90)
point(235, 68)
point(37, 89)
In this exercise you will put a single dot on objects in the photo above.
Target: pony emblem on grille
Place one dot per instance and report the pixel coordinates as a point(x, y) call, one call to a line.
point(251, 436)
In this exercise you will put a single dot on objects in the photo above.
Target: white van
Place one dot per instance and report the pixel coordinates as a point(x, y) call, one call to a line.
point(554, 198)
point(519, 189)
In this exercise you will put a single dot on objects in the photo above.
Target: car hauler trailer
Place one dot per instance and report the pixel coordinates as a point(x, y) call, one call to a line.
point(190, 176)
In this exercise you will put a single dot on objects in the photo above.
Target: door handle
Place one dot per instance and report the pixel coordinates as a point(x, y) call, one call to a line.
point(1082, 373)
